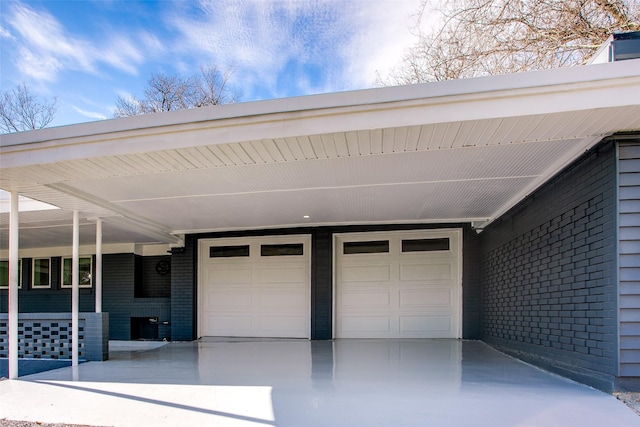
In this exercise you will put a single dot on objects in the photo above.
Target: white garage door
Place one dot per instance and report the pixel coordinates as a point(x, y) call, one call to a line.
point(399, 285)
point(255, 287)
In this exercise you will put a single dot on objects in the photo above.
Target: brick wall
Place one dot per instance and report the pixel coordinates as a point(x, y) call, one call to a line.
point(322, 285)
point(118, 298)
point(183, 291)
point(54, 299)
point(549, 279)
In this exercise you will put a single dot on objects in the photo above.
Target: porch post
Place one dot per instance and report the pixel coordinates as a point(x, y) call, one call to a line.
point(98, 281)
point(14, 281)
point(75, 293)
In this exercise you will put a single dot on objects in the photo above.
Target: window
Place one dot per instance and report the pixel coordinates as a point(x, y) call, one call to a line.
point(228, 251)
point(282, 250)
point(425, 245)
point(4, 274)
point(41, 273)
point(85, 268)
point(369, 247)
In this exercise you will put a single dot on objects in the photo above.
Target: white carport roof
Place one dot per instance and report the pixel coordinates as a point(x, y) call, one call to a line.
point(464, 150)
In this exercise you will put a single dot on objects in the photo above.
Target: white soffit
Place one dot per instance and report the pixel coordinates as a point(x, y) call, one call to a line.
point(453, 151)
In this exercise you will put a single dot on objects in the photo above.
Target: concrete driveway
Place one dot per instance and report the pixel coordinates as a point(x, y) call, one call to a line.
point(304, 384)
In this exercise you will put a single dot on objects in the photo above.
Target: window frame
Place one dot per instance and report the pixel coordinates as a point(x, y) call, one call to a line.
point(271, 250)
point(219, 251)
point(19, 274)
point(359, 247)
point(62, 271)
point(33, 273)
point(410, 245)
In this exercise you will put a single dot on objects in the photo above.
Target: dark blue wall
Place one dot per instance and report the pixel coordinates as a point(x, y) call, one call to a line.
point(549, 274)
point(55, 298)
point(183, 291)
point(118, 296)
point(119, 279)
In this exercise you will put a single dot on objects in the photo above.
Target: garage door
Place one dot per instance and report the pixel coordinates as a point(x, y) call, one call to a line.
point(255, 287)
point(399, 285)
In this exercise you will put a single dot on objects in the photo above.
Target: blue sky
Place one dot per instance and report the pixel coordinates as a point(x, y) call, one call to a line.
point(87, 53)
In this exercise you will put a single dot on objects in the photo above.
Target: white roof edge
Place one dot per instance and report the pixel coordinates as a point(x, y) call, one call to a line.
point(364, 97)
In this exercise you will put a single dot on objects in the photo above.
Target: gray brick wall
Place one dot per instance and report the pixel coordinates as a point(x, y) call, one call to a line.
point(183, 292)
point(118, 299)
point(54, 299)
point(322, 285)
point(549, 274)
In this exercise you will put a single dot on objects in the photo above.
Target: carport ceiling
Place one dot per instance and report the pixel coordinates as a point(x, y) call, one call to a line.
point(464, 150)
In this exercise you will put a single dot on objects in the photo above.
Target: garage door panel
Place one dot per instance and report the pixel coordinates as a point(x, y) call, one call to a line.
point(283, 274)
point(428, 272)
point(436, 325)
point(282, 300)
point(229, 325)
point(228, 275)
point(255, 293)
point(365, 274)
point(283, 326)
point(365, 300)
point(364, 326)
point(408, 291)
point(426, 298)
point(228, 300)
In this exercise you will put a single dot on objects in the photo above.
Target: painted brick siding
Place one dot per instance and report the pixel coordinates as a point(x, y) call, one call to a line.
point(471, 289)
point(54, 299)
point(322, 285)
point(549, 274)
point(183, 291)
point(118, 298)
point(629, 256)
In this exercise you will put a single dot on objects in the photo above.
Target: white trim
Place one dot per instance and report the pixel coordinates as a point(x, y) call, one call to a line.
point(65, 251)
point(575, 88)
point(33, 273)
point(432, 221)
point(62, 260)
point(20, 271)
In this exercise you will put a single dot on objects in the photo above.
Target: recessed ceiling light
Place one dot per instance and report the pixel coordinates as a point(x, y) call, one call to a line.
point(306, 217)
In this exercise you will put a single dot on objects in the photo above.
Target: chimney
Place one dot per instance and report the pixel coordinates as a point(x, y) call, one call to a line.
point(618, 47)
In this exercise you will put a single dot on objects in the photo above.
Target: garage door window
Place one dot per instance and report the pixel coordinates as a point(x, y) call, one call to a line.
point(368, 247)
point(425, 245)
point(228, 251)
point(282, 250)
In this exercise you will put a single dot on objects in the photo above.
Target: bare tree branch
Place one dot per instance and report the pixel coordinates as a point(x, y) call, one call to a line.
point(173, 92)
point(483, 37)
point(20, 110)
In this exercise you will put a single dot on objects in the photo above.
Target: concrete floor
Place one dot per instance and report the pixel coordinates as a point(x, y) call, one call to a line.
point(305, 384)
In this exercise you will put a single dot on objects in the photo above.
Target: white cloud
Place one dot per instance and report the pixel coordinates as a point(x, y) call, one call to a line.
point(90, 114)
point(46, 48)
point(348, 40)
point(4, 33)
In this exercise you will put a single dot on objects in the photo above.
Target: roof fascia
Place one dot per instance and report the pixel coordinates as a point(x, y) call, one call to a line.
point(570, 89)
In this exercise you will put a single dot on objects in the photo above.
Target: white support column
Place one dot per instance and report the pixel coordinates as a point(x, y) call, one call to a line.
point(98, 278)
point(75, 289)
point(14, 281)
